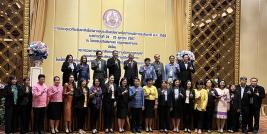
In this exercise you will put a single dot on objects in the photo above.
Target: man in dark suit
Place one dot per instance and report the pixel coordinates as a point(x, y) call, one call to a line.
point(131, 70)
point(100, 68)
point(186, 69)
point(257, 94)
point(114, 67)
point(243, 93)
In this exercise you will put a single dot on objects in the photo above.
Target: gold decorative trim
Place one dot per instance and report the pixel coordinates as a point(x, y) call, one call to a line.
point(237, 41)
point(189, 20)
point(26, 32)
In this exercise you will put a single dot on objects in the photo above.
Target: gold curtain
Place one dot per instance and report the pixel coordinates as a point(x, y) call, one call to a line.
point(37, 19)
point(180, 12)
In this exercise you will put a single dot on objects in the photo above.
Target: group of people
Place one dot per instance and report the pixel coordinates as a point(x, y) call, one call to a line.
point(168, 89)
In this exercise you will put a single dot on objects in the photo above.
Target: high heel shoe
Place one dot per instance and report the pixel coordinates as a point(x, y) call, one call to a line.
point(67, 131)
point(53, 131)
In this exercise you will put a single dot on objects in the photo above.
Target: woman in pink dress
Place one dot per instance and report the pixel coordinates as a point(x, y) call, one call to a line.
point(68, 96)
point(222, 105)
point(55, 97)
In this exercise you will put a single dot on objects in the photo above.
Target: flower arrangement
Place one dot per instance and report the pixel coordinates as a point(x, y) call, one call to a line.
point(37, 50)
point(180, 55)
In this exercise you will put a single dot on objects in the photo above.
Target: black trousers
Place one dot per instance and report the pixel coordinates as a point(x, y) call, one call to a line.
point(209, 114)
point(164, 117)
point(81, 114)
point(108, 115)
point(253, 113)
point(11, 119)
point(130, 81)
point(25, 117)
point(94, 116)
point(188, 116)
point(244, 122)
point(136, 118)
point(233, 120)
point(198, 119)
point(158, 81)
point(117, 80)
point(38, 118)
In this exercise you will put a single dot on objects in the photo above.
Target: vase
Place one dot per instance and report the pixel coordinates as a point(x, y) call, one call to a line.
point(37, 63)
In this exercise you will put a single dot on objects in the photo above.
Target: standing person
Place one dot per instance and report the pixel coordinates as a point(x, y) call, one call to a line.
point(69, 88)
point(188, 106)
point(81, 101)
point(159, 68)
point(25, 104)
point(172, 70)
point(100, 68)
point(68, 67)
point(109, 103)
point(122, 100)
point(165, 104)
point(11, 105)
point(243, 94)
point(39, 103)
point(55, 97)
point(95, 95)
point(233, 113)
point(147, 71)
point(257, 94)
point(209, 113)
point(222, 105)
point(136, 94)
point(131, 70)
point(83, 69)
point(201, 100)
point(114, 67)
point(151, 103)
point(177, 104)
point(186, 69)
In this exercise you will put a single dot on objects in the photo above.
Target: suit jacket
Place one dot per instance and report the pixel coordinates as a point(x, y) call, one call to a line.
point(180, 102)
point(161, 98)
point(186, 73)
point(67, 71)
point(100, 73)
point(107, 94)
point(191, 99)
point(243, 102)
point(159, 68)
point(122, 99)
point(257, 100)
point(211, 98)
point(114, 69)
point(234, 101)
point(79, 97)
point(9, 98)
point(130, 71)
point(25, 98)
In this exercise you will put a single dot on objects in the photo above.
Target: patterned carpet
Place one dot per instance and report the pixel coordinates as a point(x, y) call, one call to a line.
point(263, 128)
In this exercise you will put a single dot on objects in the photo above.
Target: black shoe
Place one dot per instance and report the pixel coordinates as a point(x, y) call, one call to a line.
point(255, 131)
point(139, 131)
point(133, 131)
point(244, 131)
